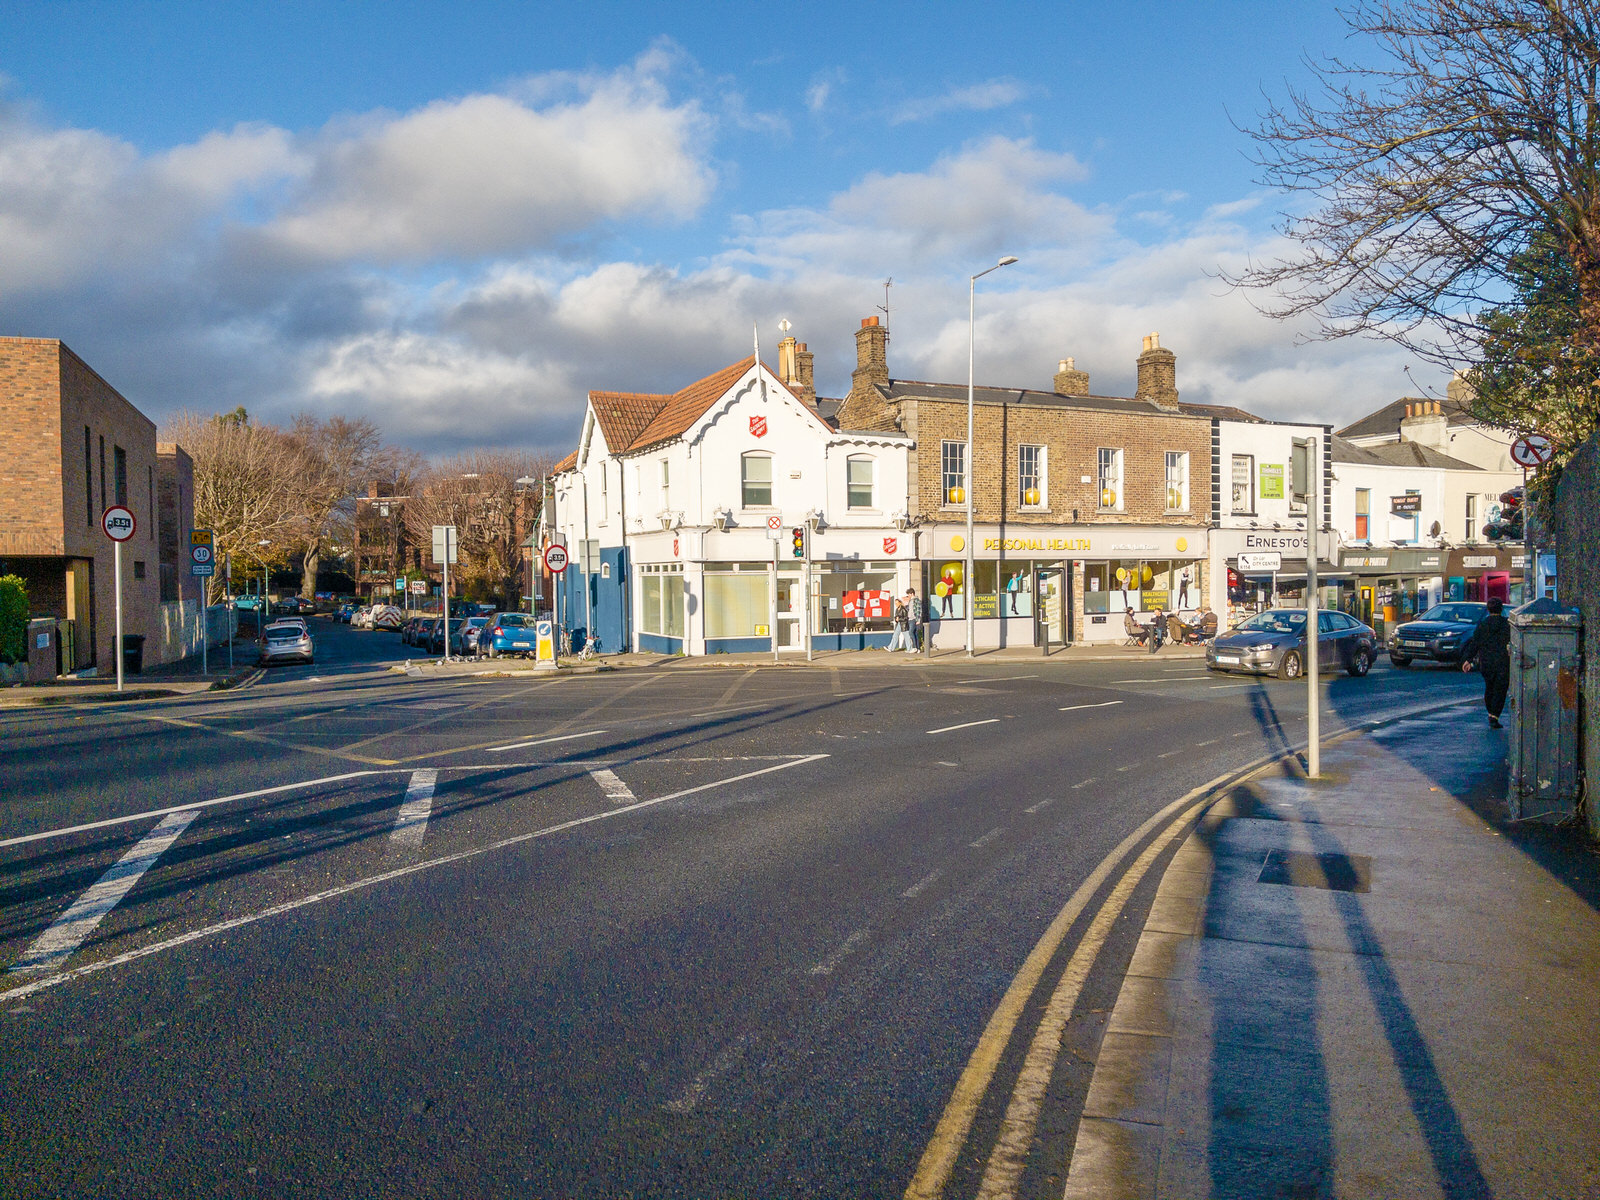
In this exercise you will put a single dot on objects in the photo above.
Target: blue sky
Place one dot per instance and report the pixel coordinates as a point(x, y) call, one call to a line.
point(458, 219)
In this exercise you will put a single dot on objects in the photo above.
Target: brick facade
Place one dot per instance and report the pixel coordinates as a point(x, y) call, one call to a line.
point(56, 480)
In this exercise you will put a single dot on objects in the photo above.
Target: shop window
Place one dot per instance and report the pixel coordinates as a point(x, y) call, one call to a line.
point(1110, 479)
point(1016, 588)
point(1363, 514)
point(1032, 491)
point(736, 604)
point(953, 460)
point(1177, 481)
point(854, 599)
point(858, 482)
point(945, 588)
point(755, 475)
point(661, 598)
point(1244, 488)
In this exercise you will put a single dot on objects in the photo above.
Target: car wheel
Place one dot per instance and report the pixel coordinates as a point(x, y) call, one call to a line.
point(1289, 668)
point(1360, 664)
point(1399, 660)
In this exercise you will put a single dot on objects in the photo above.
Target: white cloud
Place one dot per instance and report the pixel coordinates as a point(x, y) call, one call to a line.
point(979, 97)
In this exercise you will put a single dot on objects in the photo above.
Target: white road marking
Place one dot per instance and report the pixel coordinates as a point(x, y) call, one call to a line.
point(922, 885)
point(1170, 753)
point(177, 808)
point(1102, 704)
point(616, 791)
point(357, 885)
point(989, 679)
point(69, 930)
point(1040, 805)
point(720, 1065)
point(987, 838)
point(566, 737)
point(968, 725)
point(828, 965)
point(1083, 783)
point(1163, 679)
point(411, 822)
point(1129, 767)
point(1211, 742)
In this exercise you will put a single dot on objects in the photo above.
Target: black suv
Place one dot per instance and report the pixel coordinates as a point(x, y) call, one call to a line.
point(1437, 634)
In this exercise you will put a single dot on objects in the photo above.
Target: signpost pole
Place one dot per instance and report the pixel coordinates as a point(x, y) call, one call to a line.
point(118, 649)
point(227, 574)
point(773, 615)
point(805, 608)
point(1530, 572)
point(448, 530)
point(1313, 633)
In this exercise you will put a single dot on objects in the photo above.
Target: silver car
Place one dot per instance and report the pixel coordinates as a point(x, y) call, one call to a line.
point(287, 641)
point(1274, 643)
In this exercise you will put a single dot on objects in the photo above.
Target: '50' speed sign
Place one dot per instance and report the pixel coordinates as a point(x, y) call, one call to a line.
point(118, 523)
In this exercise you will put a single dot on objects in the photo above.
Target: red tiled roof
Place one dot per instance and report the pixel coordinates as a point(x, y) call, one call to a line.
point(683, 409)
point(623, 416)
point(566, 464)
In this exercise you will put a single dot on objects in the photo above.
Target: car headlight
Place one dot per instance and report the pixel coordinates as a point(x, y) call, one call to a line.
point(1262, 648)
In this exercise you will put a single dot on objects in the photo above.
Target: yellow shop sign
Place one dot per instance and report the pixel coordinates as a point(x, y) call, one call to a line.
point(1077, 543)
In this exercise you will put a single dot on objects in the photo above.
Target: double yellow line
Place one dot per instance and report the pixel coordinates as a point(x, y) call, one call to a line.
point(1017, 1129)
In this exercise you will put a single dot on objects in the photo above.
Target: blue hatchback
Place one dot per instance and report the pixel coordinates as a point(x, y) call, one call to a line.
point(510, 633)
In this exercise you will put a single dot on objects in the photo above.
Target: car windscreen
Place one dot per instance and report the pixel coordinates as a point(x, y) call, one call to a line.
point(1471, 613)
point(1277, 621)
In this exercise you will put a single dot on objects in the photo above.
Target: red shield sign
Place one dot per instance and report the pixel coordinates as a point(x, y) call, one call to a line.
point(890, 545)
point(758, 427)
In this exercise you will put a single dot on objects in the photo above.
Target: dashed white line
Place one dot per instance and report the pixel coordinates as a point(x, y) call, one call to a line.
point(967, 725)
point(846, 948)
point(1129, 767)
point(720, 1065)
point(411, 822)
point(616, 791)
point(69, 930)
point(1083, 783)
point(1102, 704)
point(1170, 753)
point(566, 737)
point(922, 885)
point(1209, 742)
point(1041, 805)
point(987, 838)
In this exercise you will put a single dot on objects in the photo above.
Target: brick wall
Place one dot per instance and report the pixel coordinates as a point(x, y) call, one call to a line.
point(49, 507)
point(1072, 439)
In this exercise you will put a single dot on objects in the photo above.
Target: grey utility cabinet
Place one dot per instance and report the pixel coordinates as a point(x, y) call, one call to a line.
point(1545, 670)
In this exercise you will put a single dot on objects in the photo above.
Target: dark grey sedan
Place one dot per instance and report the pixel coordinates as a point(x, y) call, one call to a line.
point(1274, 643)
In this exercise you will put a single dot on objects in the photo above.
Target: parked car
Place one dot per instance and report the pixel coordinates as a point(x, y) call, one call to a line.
point(361, 618)
point(408, 631)
point(464, 635)
point(344, 613)
point(510, 633)
point(387, 617)
point(430, 635)
point(1274, 643)
point(287, 641)
point(1437, 634)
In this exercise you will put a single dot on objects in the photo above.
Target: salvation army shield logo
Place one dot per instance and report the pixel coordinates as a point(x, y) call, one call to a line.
point(758, 427)
point(890, 545)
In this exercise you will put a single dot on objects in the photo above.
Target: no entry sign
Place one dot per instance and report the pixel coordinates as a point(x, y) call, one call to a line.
point(555, 558)
point(118, 523)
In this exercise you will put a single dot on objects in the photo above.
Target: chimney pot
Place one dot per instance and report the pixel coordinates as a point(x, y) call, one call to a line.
point(868, 322)
point(1408, 412)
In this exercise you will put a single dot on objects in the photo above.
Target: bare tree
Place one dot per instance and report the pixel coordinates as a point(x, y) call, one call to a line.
point(480, 493)
point(340, 458)
point(1428, 174)
point(247, 485)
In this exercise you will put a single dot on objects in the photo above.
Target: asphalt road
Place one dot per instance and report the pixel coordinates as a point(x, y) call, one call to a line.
point(694, 931)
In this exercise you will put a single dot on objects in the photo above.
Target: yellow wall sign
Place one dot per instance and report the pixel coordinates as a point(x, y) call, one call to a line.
point(1079, 543)
point(958, 544)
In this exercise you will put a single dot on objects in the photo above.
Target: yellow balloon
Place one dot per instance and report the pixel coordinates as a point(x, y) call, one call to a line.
point(952, 572)
point(940, 590)
point(1122, 574)
point(1148, 576)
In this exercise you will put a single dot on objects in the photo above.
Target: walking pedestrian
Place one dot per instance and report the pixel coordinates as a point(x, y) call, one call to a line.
point(1490, 648)
point(913, 621)
point(900, 639)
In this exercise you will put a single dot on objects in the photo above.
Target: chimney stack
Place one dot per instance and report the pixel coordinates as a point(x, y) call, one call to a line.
point(1070, 381)
point(865, 408)
point(1158, 375)
point(788, 372)
point(1426, 424)
point(803, 377)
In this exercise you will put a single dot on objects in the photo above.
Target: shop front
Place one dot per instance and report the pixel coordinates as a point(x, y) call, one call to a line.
point(1388, 587)
point(1065, 583)
point(746, 591)
point(1486, 572)
point(1242, 584)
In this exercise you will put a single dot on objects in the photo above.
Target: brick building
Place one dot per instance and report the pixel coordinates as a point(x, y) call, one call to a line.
point(72, 446)
point(1083, 505)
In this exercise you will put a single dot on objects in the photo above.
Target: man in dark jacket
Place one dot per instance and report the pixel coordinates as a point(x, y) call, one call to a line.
point(1490, 647)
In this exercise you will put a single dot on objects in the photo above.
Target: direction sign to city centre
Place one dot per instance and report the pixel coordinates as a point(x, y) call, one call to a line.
point(1261, 560)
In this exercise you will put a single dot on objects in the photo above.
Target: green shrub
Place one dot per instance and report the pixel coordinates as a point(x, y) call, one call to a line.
point(13, 619)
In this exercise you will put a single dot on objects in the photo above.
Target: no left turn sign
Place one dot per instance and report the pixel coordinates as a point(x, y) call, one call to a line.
point(1532, 451)
point(118, 523)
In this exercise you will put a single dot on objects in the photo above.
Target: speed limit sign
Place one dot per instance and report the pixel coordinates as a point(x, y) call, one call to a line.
point(555, 558)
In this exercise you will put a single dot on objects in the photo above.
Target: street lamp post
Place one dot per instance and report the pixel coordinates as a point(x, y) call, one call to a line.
point(972, 316)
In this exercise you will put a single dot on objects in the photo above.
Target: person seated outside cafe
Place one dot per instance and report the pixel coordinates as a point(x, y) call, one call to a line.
point(1137, 632)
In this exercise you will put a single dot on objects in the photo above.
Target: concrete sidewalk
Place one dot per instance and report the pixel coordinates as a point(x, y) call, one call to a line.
point(1371, 985)
point(180, 678)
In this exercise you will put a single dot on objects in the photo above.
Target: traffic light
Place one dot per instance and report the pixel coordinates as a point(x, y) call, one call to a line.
point(798, 538)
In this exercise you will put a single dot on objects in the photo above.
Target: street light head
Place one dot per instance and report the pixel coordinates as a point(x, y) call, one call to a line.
point(1007, 260)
